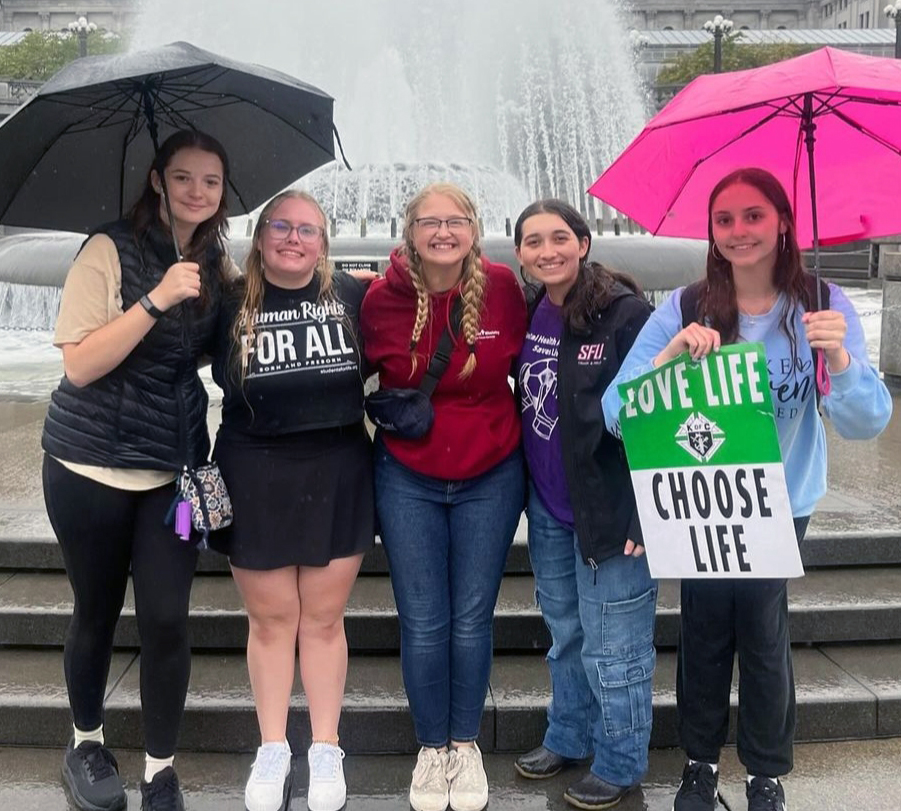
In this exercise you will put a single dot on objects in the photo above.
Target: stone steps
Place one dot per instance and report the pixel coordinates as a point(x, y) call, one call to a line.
point(827, 605)
point(853, 548)
point(844, 692)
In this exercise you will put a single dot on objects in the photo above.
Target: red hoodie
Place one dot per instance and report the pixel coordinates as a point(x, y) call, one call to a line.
point(476, 420)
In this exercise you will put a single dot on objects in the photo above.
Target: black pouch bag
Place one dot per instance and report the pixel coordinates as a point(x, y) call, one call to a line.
point(408, 413)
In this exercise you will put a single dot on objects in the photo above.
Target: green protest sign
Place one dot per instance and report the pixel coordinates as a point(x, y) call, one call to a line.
point(707, 469)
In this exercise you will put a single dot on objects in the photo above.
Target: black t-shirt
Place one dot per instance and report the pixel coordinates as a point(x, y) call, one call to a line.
point(306, 366)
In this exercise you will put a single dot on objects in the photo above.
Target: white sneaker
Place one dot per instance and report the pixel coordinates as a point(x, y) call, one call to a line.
point(268, 784)
point(468, 783)
point(328, 791)
point(428, 791)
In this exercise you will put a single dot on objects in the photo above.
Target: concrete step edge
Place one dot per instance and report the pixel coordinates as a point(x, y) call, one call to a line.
point(858, 548)
point(832, 703)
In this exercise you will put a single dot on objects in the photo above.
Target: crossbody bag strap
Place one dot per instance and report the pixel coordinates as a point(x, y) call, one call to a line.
point(441, 359)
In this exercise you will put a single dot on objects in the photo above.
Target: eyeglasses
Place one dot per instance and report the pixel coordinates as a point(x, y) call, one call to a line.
point(454, 224)
point(280, 230)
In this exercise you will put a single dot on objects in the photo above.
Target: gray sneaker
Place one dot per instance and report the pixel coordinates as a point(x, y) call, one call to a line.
point(91, 774)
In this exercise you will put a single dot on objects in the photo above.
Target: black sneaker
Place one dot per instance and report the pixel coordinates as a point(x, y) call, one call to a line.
point(697, 791)
point(162, 793)
point(765, 794)
point(91, 774)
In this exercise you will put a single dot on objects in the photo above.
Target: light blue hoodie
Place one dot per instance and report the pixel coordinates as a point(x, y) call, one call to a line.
point(859, 404)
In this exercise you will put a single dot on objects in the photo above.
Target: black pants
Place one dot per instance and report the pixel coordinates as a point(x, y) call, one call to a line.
point(719, 619)
point(104, 531)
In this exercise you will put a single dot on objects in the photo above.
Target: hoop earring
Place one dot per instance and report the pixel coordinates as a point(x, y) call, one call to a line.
point(718, 256)
point(784, 241)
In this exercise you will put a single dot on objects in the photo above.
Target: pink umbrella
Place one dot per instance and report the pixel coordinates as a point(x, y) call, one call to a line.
point(843, 109)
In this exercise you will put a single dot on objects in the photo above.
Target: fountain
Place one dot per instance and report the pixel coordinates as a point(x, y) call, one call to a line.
point(512, 99)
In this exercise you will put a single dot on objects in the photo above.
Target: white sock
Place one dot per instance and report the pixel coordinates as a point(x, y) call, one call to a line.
point(154, 765)
point(774, 779)
point(93, 735)
point(713, 766)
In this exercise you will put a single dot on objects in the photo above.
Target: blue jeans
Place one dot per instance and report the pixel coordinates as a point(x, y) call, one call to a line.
point(447, 544)
point(602, 656)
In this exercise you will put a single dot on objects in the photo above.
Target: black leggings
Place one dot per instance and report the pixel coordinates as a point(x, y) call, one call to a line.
point(719, 619)
point(102, 532)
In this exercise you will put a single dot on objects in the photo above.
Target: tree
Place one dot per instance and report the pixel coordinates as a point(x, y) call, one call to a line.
point(737, 55)
point(42, 53)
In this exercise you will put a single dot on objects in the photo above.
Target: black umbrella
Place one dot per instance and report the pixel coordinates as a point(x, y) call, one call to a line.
point(77, 153)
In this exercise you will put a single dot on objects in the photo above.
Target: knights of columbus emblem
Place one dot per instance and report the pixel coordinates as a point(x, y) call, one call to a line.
point(700, 437)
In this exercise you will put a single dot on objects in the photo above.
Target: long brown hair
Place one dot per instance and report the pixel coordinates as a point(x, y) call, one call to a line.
point(593, 288)
point(472, 282)
point(211, 233)
point(251, 285)
point(718, 302)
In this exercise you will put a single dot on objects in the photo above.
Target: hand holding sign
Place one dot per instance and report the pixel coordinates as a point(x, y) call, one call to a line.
point(695, 339)
point(706, 466)
point(632, 549)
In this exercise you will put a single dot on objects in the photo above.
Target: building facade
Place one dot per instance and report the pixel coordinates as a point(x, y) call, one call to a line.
point(677, 15)
point(55, 15)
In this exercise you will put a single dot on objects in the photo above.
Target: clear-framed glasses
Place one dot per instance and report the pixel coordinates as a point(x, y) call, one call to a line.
point(280, 230)
point(454, 224)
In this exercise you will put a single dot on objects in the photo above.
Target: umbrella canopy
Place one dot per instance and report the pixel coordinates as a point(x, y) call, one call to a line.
point(78, 152)
point(757, 117)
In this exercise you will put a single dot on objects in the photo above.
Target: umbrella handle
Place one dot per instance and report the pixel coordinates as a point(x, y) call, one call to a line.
point(824, 382)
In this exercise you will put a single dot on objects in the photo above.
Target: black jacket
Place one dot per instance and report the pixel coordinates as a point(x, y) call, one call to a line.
point(597, 475)
point(149, 412)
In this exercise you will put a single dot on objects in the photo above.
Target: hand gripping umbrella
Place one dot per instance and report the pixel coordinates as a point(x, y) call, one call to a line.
point(76, 154)
point(826, 124)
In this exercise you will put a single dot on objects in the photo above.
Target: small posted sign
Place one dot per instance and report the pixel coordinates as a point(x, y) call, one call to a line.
point(707, 469)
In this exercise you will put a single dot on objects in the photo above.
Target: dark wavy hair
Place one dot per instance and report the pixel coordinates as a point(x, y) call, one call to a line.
point(593, 289)
point(718, 303)
point(209, 238)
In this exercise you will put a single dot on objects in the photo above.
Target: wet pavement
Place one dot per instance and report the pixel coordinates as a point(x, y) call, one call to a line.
point(827, 777)
point(864, 476)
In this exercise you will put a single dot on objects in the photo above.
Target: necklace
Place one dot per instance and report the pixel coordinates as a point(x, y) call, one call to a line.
point(761, 310)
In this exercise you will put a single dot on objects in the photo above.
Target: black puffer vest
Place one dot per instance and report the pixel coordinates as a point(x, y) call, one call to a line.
point(149, 412)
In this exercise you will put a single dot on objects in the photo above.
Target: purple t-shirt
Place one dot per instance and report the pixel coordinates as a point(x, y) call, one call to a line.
point(540, 425)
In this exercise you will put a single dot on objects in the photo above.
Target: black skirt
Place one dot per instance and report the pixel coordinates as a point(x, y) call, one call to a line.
point(300, 499)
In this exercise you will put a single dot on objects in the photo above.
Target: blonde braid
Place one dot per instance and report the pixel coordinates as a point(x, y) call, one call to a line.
point(472, 279)
point(473, 294)
point(422, 307)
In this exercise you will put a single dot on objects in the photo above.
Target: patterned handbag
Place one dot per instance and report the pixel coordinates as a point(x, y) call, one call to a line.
point(202, 491)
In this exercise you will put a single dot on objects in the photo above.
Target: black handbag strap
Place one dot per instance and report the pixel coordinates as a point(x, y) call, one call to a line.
point(441, 359)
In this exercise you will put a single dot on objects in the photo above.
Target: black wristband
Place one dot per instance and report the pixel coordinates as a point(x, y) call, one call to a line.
point(148, 305)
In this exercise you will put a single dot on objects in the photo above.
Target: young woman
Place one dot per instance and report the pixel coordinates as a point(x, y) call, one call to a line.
point(129, 413)
point(584, 538)
point(757, 290)
point(298, 464)
point(448, 503)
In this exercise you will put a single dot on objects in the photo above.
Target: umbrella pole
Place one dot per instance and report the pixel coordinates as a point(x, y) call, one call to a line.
point(154, 137)
point(824, 384)
point(809, 128)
